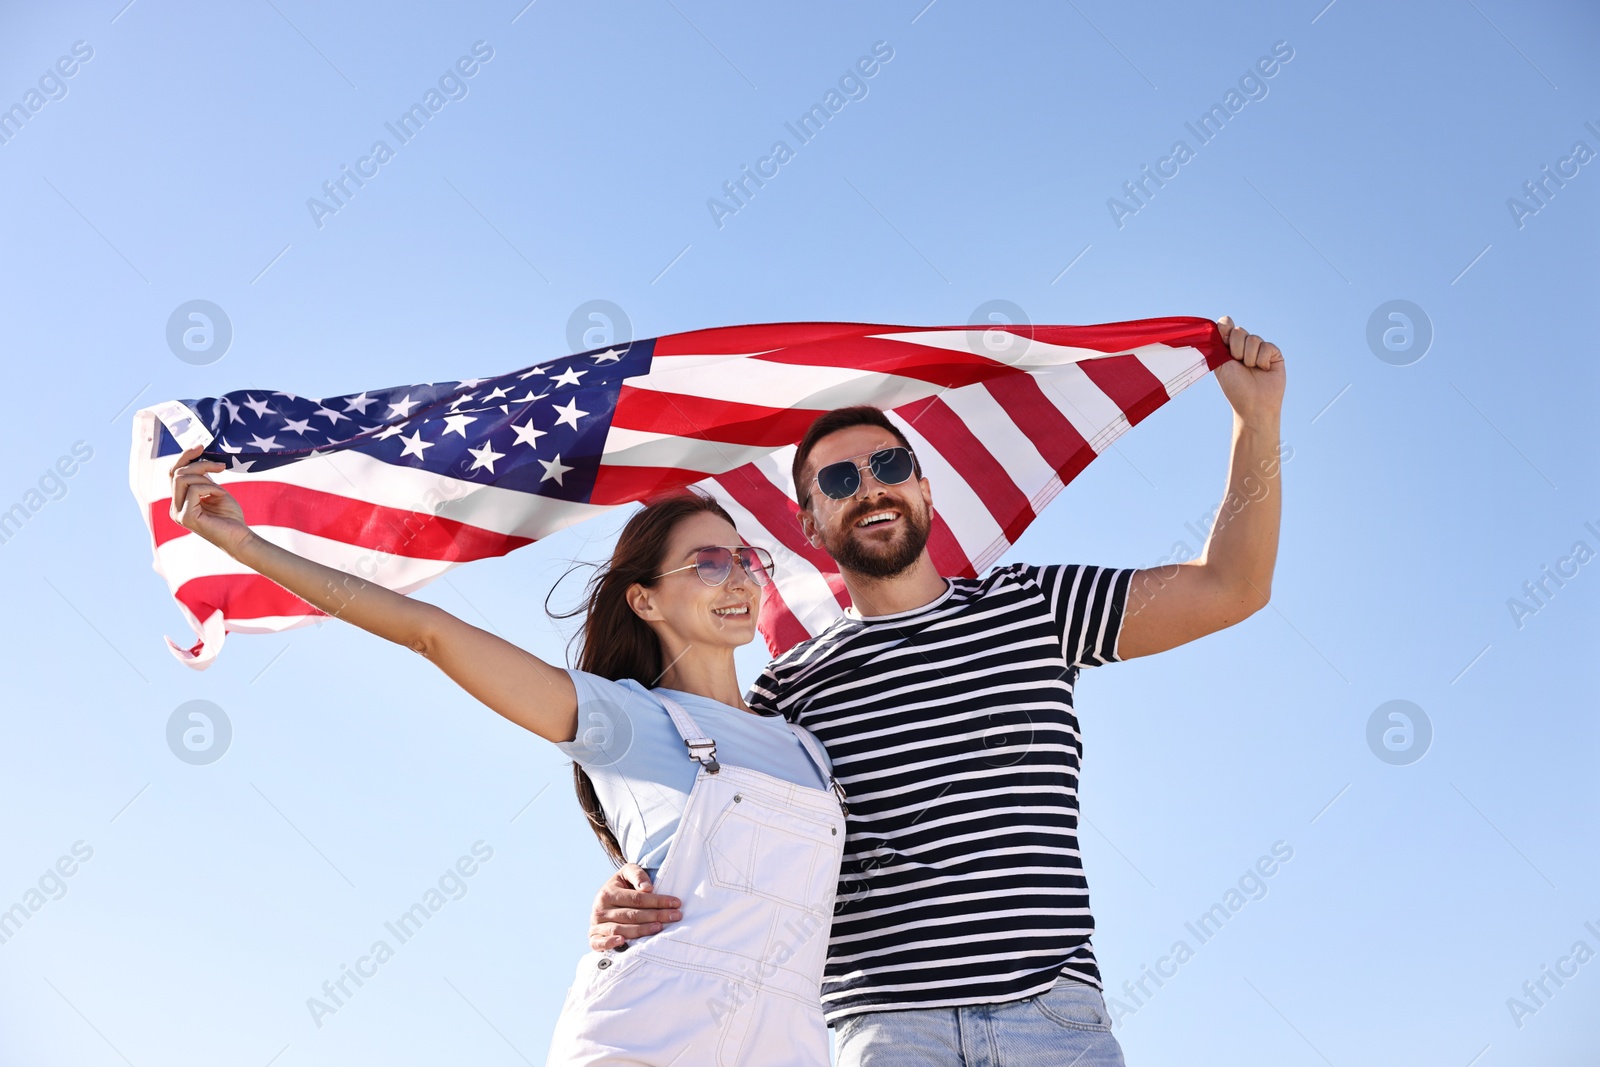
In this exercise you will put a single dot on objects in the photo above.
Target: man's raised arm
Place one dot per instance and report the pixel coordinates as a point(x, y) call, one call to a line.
point(1232, 579)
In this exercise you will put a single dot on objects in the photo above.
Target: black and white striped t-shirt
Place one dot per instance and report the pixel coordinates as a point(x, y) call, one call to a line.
point(952, 730)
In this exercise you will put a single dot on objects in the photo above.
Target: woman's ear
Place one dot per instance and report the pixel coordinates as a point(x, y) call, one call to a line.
point(642, 601)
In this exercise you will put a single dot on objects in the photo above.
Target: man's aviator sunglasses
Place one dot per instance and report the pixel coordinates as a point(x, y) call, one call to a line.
point(842, 480)
point(714, 563)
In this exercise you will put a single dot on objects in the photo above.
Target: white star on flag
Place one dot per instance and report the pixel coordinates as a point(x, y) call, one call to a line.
point(388, 432)
point(242, 466)
point(570, 414)
point(497, 394)
point(529, 397)
point(401, 409)
point(458, 424)
point(260, 408)
point(359, 403)
point(610, 355)
point(264, 444)
point(569, 376)
point(332, 416)
point(485, 456)
point(414, 445)
point(530, 373)
point(554, 468)
point(299, 426)
point(527, 435)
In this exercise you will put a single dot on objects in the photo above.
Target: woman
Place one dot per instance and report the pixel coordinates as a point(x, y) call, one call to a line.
point(737, 812)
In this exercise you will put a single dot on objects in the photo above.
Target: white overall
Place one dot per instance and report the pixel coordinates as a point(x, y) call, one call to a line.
point(755, 862)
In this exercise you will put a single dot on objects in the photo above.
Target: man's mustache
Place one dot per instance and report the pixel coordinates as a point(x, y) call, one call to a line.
point(862, 512)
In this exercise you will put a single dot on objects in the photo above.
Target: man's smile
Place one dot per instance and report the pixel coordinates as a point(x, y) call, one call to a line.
point(880, 517)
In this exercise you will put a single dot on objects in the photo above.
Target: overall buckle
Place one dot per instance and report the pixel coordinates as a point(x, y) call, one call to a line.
point(703, 750)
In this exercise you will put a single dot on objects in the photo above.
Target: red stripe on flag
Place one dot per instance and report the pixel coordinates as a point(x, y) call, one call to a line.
point(394, 531)
point(760, 337)
point(1174, 331)
point(651, 411)
point(778, 516)
point(948, 557)
point(975, 464)
point(778, 626)
point(618, 484)
point(946, 367)
point(1051, 432)
point(240, 597)
point(1128, 383)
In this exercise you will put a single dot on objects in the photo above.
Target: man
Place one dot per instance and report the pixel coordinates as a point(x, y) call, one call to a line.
point(962, 929)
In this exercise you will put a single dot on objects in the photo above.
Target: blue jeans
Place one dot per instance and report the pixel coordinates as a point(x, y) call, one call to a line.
point(1068, 1026)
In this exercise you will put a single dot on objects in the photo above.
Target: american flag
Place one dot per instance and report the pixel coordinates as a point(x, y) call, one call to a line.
point(398, 485)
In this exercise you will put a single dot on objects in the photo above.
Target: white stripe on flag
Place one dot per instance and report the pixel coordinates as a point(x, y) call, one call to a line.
point(191, 556)
point(953, 499)
point(1175, 368)
point(359, 477)
point(1084, 404)
point(803, 588)
point(640, 448)
point(1033, 354)
point(787, 385)
point(982, 414)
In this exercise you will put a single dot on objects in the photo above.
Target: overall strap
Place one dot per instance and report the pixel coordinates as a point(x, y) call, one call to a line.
point(813, 747)
point(702, 749)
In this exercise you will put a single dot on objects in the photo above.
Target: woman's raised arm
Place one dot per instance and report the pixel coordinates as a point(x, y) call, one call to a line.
point(530, 692)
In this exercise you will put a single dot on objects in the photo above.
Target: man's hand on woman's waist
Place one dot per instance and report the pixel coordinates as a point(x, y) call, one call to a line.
point(628, 907)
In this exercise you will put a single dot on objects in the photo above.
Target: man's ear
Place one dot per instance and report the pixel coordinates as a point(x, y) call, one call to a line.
point(808, 527)
point(642, 601)
point(927, 492)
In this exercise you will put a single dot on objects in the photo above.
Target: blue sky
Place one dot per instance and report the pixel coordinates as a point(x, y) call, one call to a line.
point(1376, 164)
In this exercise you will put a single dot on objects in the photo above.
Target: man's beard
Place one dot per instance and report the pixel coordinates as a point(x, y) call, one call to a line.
point(881, 560)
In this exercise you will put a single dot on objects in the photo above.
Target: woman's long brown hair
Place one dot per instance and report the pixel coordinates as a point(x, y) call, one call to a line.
point(615, 643)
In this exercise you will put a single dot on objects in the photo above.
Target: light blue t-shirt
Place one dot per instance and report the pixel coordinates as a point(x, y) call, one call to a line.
point(641, 770)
